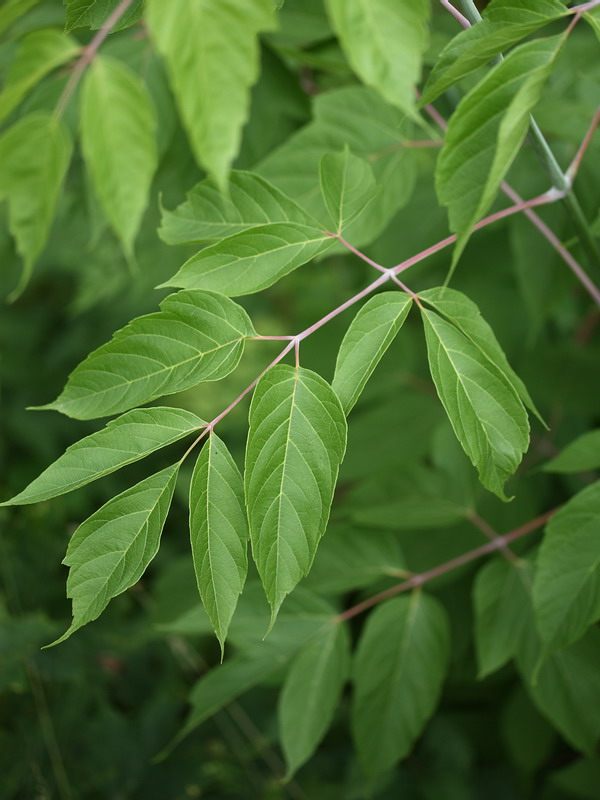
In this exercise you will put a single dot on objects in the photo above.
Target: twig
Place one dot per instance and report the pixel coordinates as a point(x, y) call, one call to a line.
point(472, 555)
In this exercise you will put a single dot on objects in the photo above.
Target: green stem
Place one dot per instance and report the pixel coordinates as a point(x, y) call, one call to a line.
point(559, 180)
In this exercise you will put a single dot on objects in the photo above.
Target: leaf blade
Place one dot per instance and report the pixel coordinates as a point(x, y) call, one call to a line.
point(347, 185)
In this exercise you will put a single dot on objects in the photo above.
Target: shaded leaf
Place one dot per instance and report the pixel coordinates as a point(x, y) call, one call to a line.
point(483, 407)
point(295, 445)
point(207, 214)
point(110, 551)
point(502, 599)
point(118, 138)
point(39, 53)
point(252, 260)
point(211, 82)
point(94, 13)
point(347, 185)
point(566, 590)
point(34, 158)
point(12, 10)
point(196, 336)
point(398, 672)
point(579, 456)
point(504, 23)
point(486, 131)
point(384, 41)
point(219, 533)
point(311, 693)
point(128, 438)
point(370, 334)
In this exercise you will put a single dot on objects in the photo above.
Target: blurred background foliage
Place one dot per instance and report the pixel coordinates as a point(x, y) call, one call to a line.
point(89, 718)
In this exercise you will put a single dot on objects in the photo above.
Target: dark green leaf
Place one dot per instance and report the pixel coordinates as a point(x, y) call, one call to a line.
point(94, 13)
point(579, 456)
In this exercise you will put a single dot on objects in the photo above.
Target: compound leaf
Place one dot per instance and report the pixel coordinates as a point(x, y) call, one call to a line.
point(119, 143)
point(252, 260)
point(212, 54)
point(196, 336)
point(110, 551)
point(207, 214)
point(384, 41)
point(295, 445)
point(398, 672)
point(483, 406)
point(311, 692)
point(370, 334)
point(128, 438)
point(219, 533)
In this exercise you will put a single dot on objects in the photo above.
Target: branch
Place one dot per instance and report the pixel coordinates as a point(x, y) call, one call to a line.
point(472, 555)
point(88, 54)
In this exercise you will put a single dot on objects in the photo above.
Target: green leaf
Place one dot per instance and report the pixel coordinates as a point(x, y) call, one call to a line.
point(39, 53)
point(196, 336)
point(347, 185)
point(486, 131)
point(398, 672)
point(311, 692)
point(128, 438)
point(12, 10)
point(219, 533)
point(110, 551)
point(412, 513)
point(566, 590)
point(34, 158)
point(94, 13)
point(579, 456)
point(252, 260)
point(502, 599)
point(567, 688)
point(339, 120)
point(370, 334)
point(118, 138)
point(592, 17)
point(212, 54)
point(207, 214)
point(295, 445)
point(505, 22)
point(384, 41)
point(462, 312)
point(484, 409)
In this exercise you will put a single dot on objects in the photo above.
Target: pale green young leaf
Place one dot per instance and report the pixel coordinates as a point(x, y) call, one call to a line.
point(219, 533)
point(462, 312)
point(207, 214)
point(252, 260)
point(486, 132)
point(212, 54)
point(579, 456)
point(296, 442)
point(128, 438)
point(502, 600)
point(566, 688)
point(12, 10)
point(94, 13)
point(398, 672)
point(34, 158)
point(384, 41)
point(196, 336)
point(566, 590)
point(505, 22)
point(110, 551)
point(370, 334)
point(311, 692)
point(39, 53)
point(347, 185)
point(118, 139)
point(483, 406)
point(338, 120)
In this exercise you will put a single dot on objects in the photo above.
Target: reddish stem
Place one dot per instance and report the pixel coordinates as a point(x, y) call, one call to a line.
point(418, 580)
